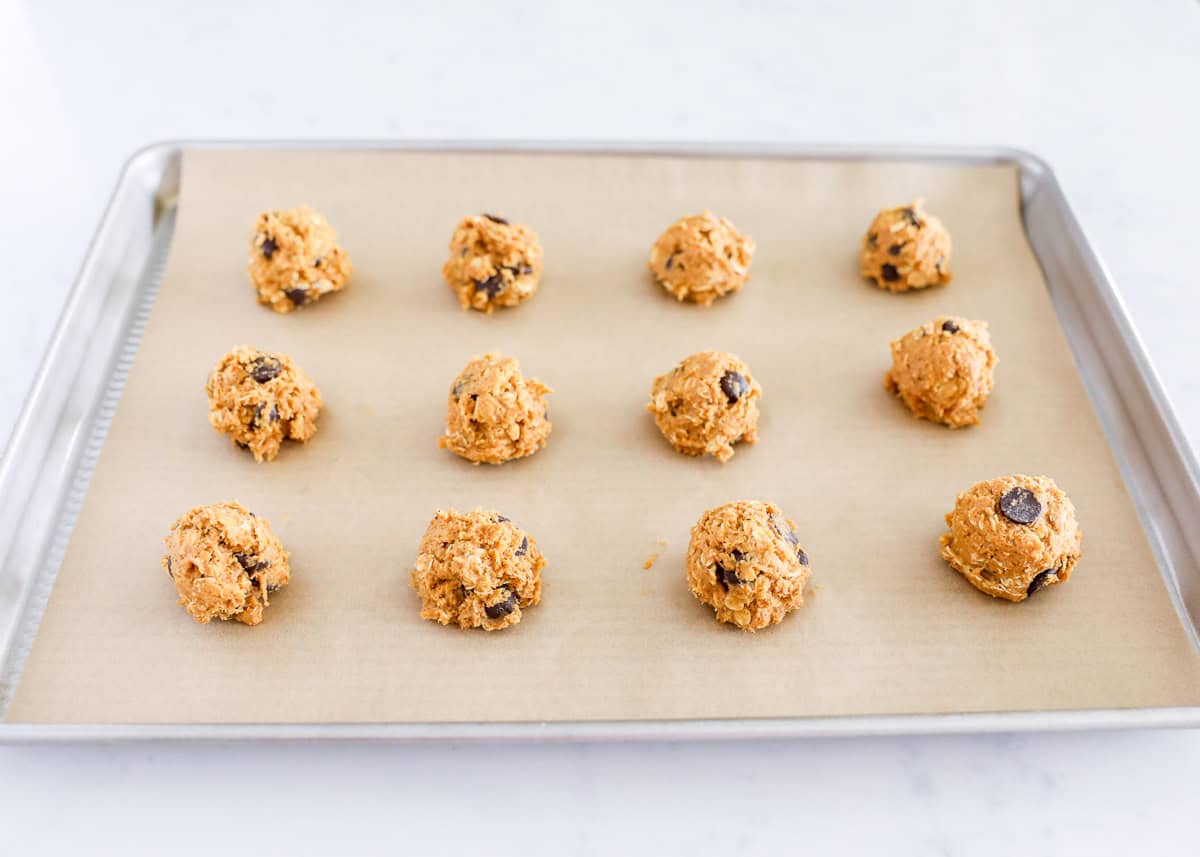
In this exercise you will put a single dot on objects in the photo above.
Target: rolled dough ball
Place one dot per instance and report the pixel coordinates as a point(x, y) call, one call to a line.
point(225, 562)
point(479, 570)
point(1012, 536)
point(260, 400)
point(745, 561)
point(295, 258)
point(706, 404)
point(493, 263)
point(943, 370)
point(702, 258)
point(494, 413)
point(906, 248)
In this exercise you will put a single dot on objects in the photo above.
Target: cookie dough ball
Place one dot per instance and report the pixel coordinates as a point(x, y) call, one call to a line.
point(745, 561)
point(906, 248)
point(493, 263)
point(295, 259)
point(495, 413)
point(260, 400)
point(706, 404)
point(1012, 536)
point(479, 570)
point(225, 562)
point(702, 258)
point(943, 370)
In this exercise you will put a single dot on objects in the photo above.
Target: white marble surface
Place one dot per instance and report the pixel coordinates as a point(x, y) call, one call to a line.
point(1107, 92)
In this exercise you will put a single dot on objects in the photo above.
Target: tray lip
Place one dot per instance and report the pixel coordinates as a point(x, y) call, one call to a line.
point(1031, 167)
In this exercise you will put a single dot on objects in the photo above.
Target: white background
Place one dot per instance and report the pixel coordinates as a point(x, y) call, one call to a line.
point(1106, 92)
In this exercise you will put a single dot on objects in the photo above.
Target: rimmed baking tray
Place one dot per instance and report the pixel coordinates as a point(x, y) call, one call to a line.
point(54, 448)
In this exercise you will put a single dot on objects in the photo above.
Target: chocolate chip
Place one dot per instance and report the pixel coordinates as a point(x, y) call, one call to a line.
point(733, 385)
point(274, 414)
point(169, 570)
point(492, 286)
point(297, 296)
point(728, 578)
point(787, 533)
point(895, 249)
point(268, 247)
point(1047, 577)
point(527, 269)
point(802, 556)
point(502, 518)
point(738, 556)
point(524, 548)
point(265, 368)
point(889, 272)
point(496, 219)
point(495, 611)
point(317, 261)
point(257, 413)
point(1020, 506)
point(949, 326)
point(670, 261)
point(242, 445)
point(911, 214)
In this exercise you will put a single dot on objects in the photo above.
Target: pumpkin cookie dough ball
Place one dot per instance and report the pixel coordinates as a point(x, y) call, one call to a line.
point(745, 561)
point(295, 259)
point(943, 370)
point(493, 263)
point(906, 248)
point(706, 404)
point(702, 258)
point(479, 570)
point(1012, 536)
point(495, 414)
point(260, 400)
point(225, 562)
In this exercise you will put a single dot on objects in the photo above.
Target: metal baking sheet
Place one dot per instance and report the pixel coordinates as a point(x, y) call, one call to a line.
point(44, 475)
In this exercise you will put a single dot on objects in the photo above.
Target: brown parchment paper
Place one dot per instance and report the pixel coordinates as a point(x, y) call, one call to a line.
point(889, 628)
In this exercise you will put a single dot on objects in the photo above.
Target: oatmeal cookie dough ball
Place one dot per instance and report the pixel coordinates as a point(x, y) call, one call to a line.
point(225, 562)
point(1012, 536)
point(478, 570)
point(295, 258)
point(702, 258)
point(906, 248)
point(706, 404)
point(943, 370)
point(260, 400)
point(495, 413)
point(493, 263)
point(745, 561)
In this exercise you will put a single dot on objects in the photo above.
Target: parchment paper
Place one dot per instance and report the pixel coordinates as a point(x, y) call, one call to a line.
point(889, 628)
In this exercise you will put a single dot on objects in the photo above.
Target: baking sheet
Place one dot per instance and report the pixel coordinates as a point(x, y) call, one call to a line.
point(889, 629)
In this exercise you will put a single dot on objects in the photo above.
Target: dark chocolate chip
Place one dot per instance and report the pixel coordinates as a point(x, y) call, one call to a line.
point(889, 272)
point(949, 326)
point(802, 556)
point(1047, 577)
point(524, 548)
point(728, 578)
point(738, 556)
point(502, 518)
point(733, 385)
point(670, 261)
point(317, 261)
point(527, 269)
point(245, 561)
point(242, 445)
point(274, 414)
point(895, 249)
point(911, 214)
point(169, 570)
point(495, 611)
point(1020, 506)
point(496, 219)
point(265, 368)
point(297, 296)
point(271, 587)
point(492, 286)
point(268, 247)
point(257, 413)
point(787, 533)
